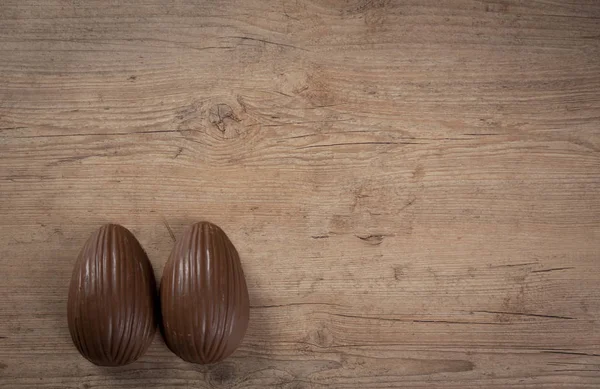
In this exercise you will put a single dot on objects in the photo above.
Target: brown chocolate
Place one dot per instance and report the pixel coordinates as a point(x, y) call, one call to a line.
point(112, 298)
point(204, 297)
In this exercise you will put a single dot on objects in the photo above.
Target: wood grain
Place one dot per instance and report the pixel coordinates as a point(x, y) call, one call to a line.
point(413, 186)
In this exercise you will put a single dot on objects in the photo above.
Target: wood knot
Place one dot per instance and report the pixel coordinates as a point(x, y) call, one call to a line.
point(320, 337)
point(225, 120)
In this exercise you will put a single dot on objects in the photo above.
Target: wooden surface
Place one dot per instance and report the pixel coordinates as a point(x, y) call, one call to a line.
point(413, 186)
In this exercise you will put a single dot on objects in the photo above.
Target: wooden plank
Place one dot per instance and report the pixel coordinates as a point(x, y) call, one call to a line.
point(413, 186)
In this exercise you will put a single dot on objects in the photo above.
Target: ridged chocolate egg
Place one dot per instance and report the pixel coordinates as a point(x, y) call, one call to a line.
point(112, 298)
point(204, 297)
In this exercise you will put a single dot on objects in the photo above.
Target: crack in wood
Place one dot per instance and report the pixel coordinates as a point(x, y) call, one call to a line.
point(415, 320)
point(95, 134)
point(526, 314)
point(169, 229)
point(267, 42)
point(373, 239)
point(569, 353)
point(359, 144)
point(515, 265)
point(294, 304)
point(552, 269)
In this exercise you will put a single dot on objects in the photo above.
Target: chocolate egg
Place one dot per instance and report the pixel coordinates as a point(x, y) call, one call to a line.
point(112, 298)
point(204, 297)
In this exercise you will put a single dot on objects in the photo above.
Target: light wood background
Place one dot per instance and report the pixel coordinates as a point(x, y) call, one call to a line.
point(413, 186)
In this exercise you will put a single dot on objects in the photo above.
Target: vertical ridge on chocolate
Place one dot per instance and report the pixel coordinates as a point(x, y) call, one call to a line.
point(204, 297)
point(112, 295)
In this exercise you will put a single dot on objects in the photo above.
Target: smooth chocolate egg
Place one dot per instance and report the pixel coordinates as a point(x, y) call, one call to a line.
point(204, 297)
point(112, 298)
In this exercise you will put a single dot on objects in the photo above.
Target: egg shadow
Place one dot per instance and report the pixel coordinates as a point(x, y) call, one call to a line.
point(158, 367)
point(253, 356)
